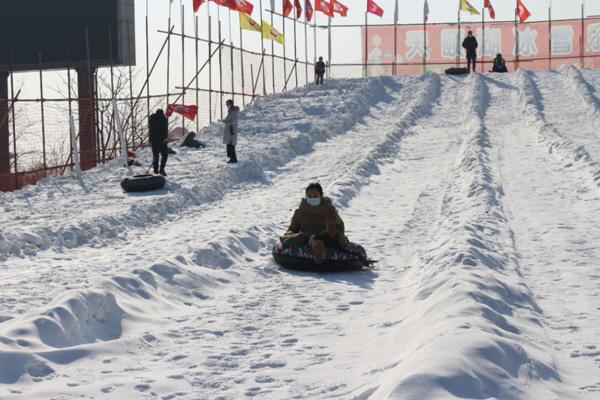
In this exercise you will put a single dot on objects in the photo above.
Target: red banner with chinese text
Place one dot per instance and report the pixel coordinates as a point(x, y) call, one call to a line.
point(442, 42)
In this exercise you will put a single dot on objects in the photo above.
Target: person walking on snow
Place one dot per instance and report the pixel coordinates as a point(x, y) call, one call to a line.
point(470, 44)
point(320, 70)
point(317, 223)
point(230, 132)
point(159, 135)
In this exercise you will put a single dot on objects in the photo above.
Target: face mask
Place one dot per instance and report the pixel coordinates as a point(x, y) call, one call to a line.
point(313, 201)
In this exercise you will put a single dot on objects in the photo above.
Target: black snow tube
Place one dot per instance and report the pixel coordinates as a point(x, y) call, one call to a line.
point(300, 258)
point(457, 71)
point(143, 183)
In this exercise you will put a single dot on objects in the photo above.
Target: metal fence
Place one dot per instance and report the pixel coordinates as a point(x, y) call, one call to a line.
point(217, 66)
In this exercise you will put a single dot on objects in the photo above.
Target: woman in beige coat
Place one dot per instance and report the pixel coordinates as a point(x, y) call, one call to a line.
point(317, 223)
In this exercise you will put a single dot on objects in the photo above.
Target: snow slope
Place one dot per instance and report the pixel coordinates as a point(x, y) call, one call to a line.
point(478, 196)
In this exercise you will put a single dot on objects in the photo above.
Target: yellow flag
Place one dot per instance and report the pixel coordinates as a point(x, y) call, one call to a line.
point(271, 33)
point(249, 24)
point(467, 7)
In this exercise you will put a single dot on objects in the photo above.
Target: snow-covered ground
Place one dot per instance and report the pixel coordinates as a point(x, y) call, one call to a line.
point(478, 196)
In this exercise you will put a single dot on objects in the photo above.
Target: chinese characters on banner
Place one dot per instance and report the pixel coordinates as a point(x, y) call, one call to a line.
point(443, 45)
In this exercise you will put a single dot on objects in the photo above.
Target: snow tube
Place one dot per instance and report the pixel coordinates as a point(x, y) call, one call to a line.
point(143, 183)
point(456, 71)
point(301, 258)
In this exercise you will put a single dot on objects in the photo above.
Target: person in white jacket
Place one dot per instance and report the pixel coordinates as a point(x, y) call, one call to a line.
point(230, 132)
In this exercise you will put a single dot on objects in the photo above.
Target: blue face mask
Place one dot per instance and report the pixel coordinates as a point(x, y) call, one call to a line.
point(313, 201)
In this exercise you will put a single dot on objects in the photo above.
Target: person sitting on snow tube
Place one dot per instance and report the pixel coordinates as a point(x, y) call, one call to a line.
point(499, 64)
point(316, 222)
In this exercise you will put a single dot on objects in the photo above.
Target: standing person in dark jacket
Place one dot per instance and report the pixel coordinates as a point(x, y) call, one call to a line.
point(230, 132)
point(320, 70)
point(470, 44)
point(159, 133)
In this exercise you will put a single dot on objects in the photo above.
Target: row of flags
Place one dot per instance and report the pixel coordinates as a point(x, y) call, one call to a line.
point(521, 11)
point(333, 7)
point(266, 29)
point(327, 7)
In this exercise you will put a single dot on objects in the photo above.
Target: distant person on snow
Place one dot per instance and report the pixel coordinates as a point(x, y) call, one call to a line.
point(317, 223)
point(499, 64)
point(320, 70)
point(159, 134)
point(470, 44)
point(230, 132)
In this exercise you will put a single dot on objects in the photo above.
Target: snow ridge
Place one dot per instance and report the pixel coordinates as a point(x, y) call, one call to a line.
point(344, 189)
point(486, 337)
point(97, 317)
point(565, 149)
point(583, 90)
point(267, 150)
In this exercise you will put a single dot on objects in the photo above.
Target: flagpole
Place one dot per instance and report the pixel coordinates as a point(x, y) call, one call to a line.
point(231, 59)
point(329, 52)
point(147, 66)
point(394, 68)
point(550, 37)
point(305, 46)
point(209, 62)
point(582, 34)
point(458, 42)
point(516, 37)
point(272, 51)
point(182, 60)
point(315, 37)
point(365, 70)
point(424, 43)
point(196, 23)
point(483, 40)
point(284, 47)
point(262, 46)
point(295, 47)
point(242, 66)
point(169, 55)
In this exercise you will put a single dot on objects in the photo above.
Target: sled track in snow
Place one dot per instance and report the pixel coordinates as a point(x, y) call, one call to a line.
point(471, 253)
point(573, 155)
point(454, 317)
point(176, 279)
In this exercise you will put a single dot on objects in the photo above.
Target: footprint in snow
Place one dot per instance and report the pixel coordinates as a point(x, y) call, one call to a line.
point(289, 342)
point(142, 388)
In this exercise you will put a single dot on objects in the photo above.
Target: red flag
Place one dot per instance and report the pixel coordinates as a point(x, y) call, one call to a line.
point(298, 8)
point(325, 6)
point(243, 6)
point(339, 8)
point(287, 7)
point(522, 12)
point(488, 4)
point(197, 4)
point(308, 10)
point(188, 112)
point(373, 8)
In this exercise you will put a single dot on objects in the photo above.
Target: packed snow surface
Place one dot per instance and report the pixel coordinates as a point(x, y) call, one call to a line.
point(479, 196)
